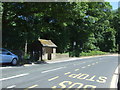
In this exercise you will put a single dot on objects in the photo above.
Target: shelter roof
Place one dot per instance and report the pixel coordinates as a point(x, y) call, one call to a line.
point(47, 43)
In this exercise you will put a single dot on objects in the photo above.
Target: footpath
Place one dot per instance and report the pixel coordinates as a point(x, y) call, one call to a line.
point(65, 59)
point(75, 58)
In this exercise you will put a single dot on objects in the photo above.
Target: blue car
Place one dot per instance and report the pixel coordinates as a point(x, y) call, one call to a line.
point(8, 57)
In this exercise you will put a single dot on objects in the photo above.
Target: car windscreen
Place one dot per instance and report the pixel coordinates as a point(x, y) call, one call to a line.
point(2, 51)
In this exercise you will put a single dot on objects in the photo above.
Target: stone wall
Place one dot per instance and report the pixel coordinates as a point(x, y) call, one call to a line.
point(62, 56)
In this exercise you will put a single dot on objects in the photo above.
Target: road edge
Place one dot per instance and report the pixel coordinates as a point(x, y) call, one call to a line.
point(78, 58)
point(115, 78)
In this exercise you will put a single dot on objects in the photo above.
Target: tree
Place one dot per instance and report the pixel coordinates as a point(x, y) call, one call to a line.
point(1, 11)
point(116, 23)
point(73, 26)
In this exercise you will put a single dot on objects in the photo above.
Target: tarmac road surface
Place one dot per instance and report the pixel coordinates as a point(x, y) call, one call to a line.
point(96, 72)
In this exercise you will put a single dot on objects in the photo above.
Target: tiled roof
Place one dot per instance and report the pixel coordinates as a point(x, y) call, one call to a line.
point(47, 43)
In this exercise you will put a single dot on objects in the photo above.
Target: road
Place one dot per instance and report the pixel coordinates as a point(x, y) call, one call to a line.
point(96, 72)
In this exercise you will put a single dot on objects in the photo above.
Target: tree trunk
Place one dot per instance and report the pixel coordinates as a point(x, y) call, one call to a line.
point(26, 47)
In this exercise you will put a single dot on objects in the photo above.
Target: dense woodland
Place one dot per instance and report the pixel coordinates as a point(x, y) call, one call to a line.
point(73, 26)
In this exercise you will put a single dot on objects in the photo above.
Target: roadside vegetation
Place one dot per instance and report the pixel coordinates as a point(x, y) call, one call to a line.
point(92, 53)
point(77, 28)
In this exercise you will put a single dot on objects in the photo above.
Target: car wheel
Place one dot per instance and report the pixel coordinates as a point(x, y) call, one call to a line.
point(14, 62)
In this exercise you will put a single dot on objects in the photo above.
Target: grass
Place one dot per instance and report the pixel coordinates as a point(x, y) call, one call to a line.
point(92, 53)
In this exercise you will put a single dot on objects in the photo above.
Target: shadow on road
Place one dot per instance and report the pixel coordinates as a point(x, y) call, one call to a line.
point(8, 64)
point(19, 65)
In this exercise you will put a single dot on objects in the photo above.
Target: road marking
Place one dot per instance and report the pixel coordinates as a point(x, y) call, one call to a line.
point(114, 80)
point(14, 76)
point(6, 67)
point(79, 63)
point(83, 67)
point(116, 71)
point(73, 59)
point(77, 85)
point(89, 65)
point(53, 69)
point(12, 86)
point(96, 62)
point(33, 86)
point(53, 78)
point(93, 63)
point(67, 73)
point(27, 65)
point(76, 64)
point(76, 69)
point(53, 86)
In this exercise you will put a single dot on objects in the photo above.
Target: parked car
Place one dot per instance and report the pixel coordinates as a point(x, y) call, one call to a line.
point(8, 57)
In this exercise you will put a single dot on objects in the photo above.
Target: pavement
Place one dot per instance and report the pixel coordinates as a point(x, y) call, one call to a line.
point(65, 59)
point(85, 72)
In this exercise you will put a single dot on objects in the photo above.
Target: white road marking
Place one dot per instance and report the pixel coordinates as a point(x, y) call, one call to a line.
point(96, 62)
point(5, 67)
point(76, 69)
point(14, 76)
point(116, 71)
point(33, 86)
point(83, 67)
point(79, 63)
point(114, 80)
point(93, 63)
point(53, 69)
point(12, 86)
point(89, 65)
point(9, 67)
point(27, 65)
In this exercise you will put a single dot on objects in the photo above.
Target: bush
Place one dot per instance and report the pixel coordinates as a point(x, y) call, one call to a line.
point(74, 54)
point(91, 53)
point(27, 56)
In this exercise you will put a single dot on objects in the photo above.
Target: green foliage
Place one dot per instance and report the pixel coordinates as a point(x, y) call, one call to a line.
point(1, 11)
point(116, 24)
point(92, 53)
point(27, 56)
point(91, 25)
